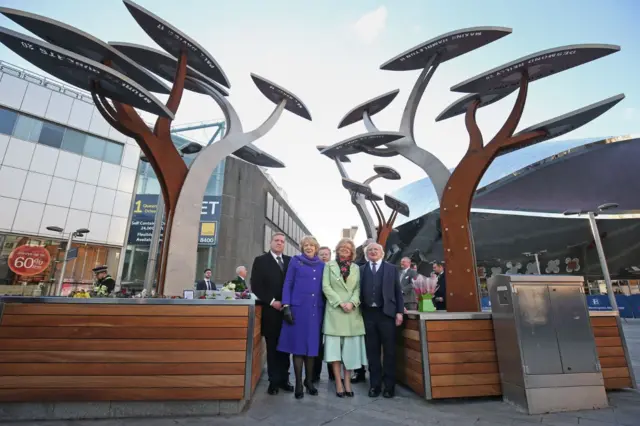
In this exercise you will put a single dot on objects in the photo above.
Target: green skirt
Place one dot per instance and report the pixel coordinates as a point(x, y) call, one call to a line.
point(350, 350)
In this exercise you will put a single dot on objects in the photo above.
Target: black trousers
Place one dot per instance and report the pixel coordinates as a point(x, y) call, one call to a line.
point(380, 340)
point(278, 363)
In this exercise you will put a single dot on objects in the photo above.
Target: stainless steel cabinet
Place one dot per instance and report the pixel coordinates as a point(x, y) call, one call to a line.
point(545, 345)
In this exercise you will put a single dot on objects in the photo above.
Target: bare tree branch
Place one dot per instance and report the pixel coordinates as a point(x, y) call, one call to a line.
point(163, 124)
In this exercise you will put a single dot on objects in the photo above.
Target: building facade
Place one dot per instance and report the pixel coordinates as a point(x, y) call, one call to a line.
point(61, 165)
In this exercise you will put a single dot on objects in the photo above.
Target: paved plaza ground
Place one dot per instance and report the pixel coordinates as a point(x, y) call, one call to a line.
point(405, 409)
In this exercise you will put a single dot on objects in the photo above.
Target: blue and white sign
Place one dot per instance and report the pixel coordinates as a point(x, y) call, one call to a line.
point(144, 212)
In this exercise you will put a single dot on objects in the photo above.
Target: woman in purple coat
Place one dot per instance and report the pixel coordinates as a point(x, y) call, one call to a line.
point(303, 308)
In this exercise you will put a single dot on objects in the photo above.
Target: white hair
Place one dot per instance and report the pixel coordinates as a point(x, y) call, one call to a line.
point(240, 268)
point(366, 250)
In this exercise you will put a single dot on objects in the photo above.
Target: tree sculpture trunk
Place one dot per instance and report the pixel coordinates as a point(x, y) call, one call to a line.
point(455, 208)
point(156, 145)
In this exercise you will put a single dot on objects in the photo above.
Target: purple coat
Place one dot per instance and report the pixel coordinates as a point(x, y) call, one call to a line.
point(302, 291)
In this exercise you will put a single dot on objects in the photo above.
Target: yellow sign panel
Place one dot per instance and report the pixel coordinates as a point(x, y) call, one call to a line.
point(208, 229)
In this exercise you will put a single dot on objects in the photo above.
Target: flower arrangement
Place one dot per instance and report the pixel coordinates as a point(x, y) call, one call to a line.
point(425, 288)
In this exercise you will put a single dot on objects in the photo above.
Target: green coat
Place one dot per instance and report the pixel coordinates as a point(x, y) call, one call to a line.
point(336, 321)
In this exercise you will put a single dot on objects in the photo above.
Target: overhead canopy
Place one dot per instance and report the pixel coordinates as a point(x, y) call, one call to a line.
point(277, 94)
point(371, 107)
point(578, 179)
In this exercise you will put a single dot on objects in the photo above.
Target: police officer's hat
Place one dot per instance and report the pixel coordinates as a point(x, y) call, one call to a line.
point(99, 269)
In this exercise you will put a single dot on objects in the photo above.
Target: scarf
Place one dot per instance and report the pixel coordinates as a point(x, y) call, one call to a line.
point(345, 267)
point(309, 261)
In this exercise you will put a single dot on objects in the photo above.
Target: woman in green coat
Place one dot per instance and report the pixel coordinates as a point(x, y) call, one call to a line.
point(343, 325)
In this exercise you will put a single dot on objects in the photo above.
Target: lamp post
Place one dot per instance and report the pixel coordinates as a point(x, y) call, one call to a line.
point(154, 246)
point(596, 238)
point(535, 256)
point(77, 233)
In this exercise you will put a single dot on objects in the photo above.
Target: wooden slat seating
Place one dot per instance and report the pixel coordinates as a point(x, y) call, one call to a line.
point(409, 357)
point(258, 352)
point(615, 370)
point(78, 352)
point(462, 359)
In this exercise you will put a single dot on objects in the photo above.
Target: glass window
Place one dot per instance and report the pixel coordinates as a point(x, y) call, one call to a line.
point(276, 212)
point(269, 212)
point(51, 135)
point(94, 147)
point(27, 128)
point(8, 120)
point(73, 141)
point(113, 152)
point(267, 238)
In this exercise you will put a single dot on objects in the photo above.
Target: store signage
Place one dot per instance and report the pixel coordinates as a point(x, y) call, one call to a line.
point(29, 260)
point(144, 212)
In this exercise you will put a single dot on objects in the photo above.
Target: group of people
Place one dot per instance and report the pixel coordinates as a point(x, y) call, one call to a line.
point(338, 310)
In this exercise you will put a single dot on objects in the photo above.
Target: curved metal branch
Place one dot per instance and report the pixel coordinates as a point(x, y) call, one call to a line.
point(229, 112)
point(341, 169)
point(392, 219)
point(162, 129)
point(476, 142)
point(371, 179)
point(409, 114)
point(107, 110)
point(515, 142)
point(368, 123)
point(379, 214)
point(516, 112)
point(268, 124)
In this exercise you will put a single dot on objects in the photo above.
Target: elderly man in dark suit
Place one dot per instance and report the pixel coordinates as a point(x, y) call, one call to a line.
point(267, 278)
point(407, 274)
point(440, 296)
point(382, 310)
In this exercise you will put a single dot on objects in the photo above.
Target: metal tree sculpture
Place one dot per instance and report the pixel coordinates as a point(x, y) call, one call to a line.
point(427, 57)
point(357, 200)
point(109, 74)
point(455, 191)
point(385, 226)
point(455, 205)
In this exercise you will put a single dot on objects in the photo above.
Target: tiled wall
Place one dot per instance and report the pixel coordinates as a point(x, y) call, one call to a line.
point(42, 186)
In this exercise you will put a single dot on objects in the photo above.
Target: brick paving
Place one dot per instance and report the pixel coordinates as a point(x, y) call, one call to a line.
point(405, 409)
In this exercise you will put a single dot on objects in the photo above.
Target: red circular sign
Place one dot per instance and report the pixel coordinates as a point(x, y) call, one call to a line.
point(29, 260)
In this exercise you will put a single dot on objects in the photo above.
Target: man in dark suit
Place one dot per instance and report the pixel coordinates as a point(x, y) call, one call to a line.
point(206, 283)
point(267, 279)
point(359, 375)
point(382, 310)
point(440, 296)
point(407, 274)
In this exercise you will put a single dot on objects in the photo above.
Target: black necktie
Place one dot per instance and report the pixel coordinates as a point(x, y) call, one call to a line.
point(373, 268)
point(208, 285)
point(280, 264)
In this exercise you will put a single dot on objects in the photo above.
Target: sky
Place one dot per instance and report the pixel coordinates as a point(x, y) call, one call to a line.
point(328, 53)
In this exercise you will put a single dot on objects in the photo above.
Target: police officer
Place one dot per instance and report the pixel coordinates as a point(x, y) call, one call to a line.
point(104, 279)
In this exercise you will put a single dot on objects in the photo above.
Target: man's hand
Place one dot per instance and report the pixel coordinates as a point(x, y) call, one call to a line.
point(276, 305)
point(399, 319)
point(406, 311)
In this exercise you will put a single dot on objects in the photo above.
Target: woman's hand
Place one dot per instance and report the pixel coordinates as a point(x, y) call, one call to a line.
point(347, 307)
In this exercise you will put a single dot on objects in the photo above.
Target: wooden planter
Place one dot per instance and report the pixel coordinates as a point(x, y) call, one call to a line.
point(69, 350)
point(453, 355)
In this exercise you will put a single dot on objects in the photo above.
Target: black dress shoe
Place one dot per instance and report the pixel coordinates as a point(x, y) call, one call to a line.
point(287, 387)
point(359, 377)
point(340, 394)
point(311, 389)
point(388, 393)
point(349, 394)
point(374, 392)
point(272, 389)
point(299, 393)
